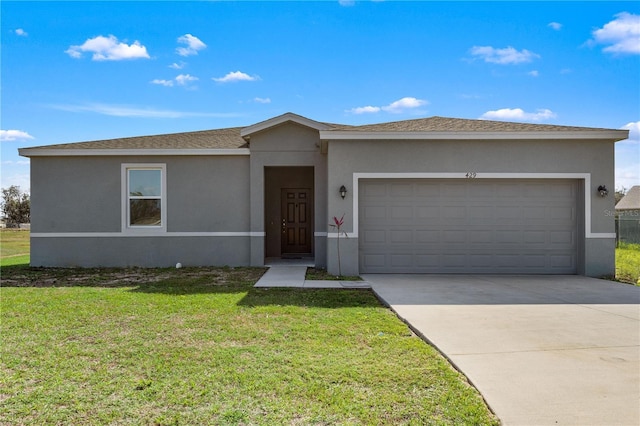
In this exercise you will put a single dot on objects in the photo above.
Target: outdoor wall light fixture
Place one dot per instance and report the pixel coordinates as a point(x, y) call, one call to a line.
point(343, 192)
point(603, 191)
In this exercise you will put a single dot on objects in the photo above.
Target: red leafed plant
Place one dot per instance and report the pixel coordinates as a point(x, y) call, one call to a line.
point(337, 223)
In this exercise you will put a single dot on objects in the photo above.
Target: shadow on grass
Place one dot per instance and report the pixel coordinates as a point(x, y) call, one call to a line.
point(317, 298)
point(187, 281)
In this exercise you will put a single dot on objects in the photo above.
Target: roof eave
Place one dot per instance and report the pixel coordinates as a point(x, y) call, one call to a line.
point(611, 135)
point(49, 152)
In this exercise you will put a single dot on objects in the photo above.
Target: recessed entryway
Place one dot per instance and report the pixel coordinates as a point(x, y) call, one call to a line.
point(289, 207)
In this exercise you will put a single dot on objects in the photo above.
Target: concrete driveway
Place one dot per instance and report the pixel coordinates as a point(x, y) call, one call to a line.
point(542, 350)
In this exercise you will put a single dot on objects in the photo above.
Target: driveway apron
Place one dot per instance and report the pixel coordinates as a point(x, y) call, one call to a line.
point(542, 350)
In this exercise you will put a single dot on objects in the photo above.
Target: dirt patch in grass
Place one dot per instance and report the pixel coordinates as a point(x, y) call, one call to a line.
point(322, 274)
point(25, 276)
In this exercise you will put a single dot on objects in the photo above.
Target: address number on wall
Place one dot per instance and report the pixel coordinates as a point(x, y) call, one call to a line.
point(471, 175)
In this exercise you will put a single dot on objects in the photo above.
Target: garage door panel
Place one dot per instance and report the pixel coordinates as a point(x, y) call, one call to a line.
point(373, 212)
point(401, 190)
point(454, 190)
point(454, 236)
point(482, 214)
point(566, 213)
point(427, 261)
point(427, 212)
point(373, 236)
point(374, 189)
point(401, 236)
point(401, 212)
point(454, 213)
point(508, 190)
point(561, 237)
point(427, 236)
point(562, 261)
point(401, 260)
point(479, 226)
point(534, 237)
point(374, 262)
point(427, 190)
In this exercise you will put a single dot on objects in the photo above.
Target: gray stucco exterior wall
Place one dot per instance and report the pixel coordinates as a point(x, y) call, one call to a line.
point(593, 159)
point(77, 205)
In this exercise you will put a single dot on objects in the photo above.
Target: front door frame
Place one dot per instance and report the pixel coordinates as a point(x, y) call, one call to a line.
point(276, 179)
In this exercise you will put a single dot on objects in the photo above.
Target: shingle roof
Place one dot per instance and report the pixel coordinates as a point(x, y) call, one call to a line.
point(230, 138)
point(631, 201)
point(206, 139)
point(444, 124)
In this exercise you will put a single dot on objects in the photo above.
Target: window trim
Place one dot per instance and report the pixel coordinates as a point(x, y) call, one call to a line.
point(142, 230)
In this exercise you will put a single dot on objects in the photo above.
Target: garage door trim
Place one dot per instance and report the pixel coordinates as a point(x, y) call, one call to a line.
point(496, 226)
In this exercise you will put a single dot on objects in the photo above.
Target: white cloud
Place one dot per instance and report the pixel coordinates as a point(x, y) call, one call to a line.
point(622, 35)
point(236, 76)
point(555, 25)
point(109, 49)
point(166, 83)
point(534, 73)
point(14, 135)
point(184, 79)
point(634, 132)
point(347, 2)
point(180, 80)
point(403, 104)
point(22, 32)
point(134, 111)
point(505, 56)
point(262, 100)
point(399, 106)
point(193, 45)
point(364, 110)
point(178, 66)
point(517, 114)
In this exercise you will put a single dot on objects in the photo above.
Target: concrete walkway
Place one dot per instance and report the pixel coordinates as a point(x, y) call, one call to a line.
point(542, 350)
point(294, 276)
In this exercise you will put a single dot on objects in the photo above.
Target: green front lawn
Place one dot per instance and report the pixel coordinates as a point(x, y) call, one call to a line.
point(628, 263)
point(14, 247)
point(202, 346)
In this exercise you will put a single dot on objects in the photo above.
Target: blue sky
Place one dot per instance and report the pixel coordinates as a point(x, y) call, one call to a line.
point(79, 71)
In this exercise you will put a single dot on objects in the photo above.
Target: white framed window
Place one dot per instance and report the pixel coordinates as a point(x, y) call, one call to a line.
point(144, 198)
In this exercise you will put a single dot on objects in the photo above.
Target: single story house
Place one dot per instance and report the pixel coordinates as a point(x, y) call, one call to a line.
point(428, 195)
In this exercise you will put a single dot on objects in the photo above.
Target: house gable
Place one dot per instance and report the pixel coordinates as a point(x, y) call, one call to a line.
point(288, 117)
point(288, 136)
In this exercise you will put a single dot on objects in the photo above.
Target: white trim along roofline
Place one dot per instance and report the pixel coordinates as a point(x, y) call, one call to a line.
point(48, 152)
point(586, 177)
point(615, 135)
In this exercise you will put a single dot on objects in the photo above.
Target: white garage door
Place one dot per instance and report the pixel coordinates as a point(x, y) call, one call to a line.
point(468, 226)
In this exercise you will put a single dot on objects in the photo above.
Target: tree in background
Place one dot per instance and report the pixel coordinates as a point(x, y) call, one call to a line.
point(16, 206)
